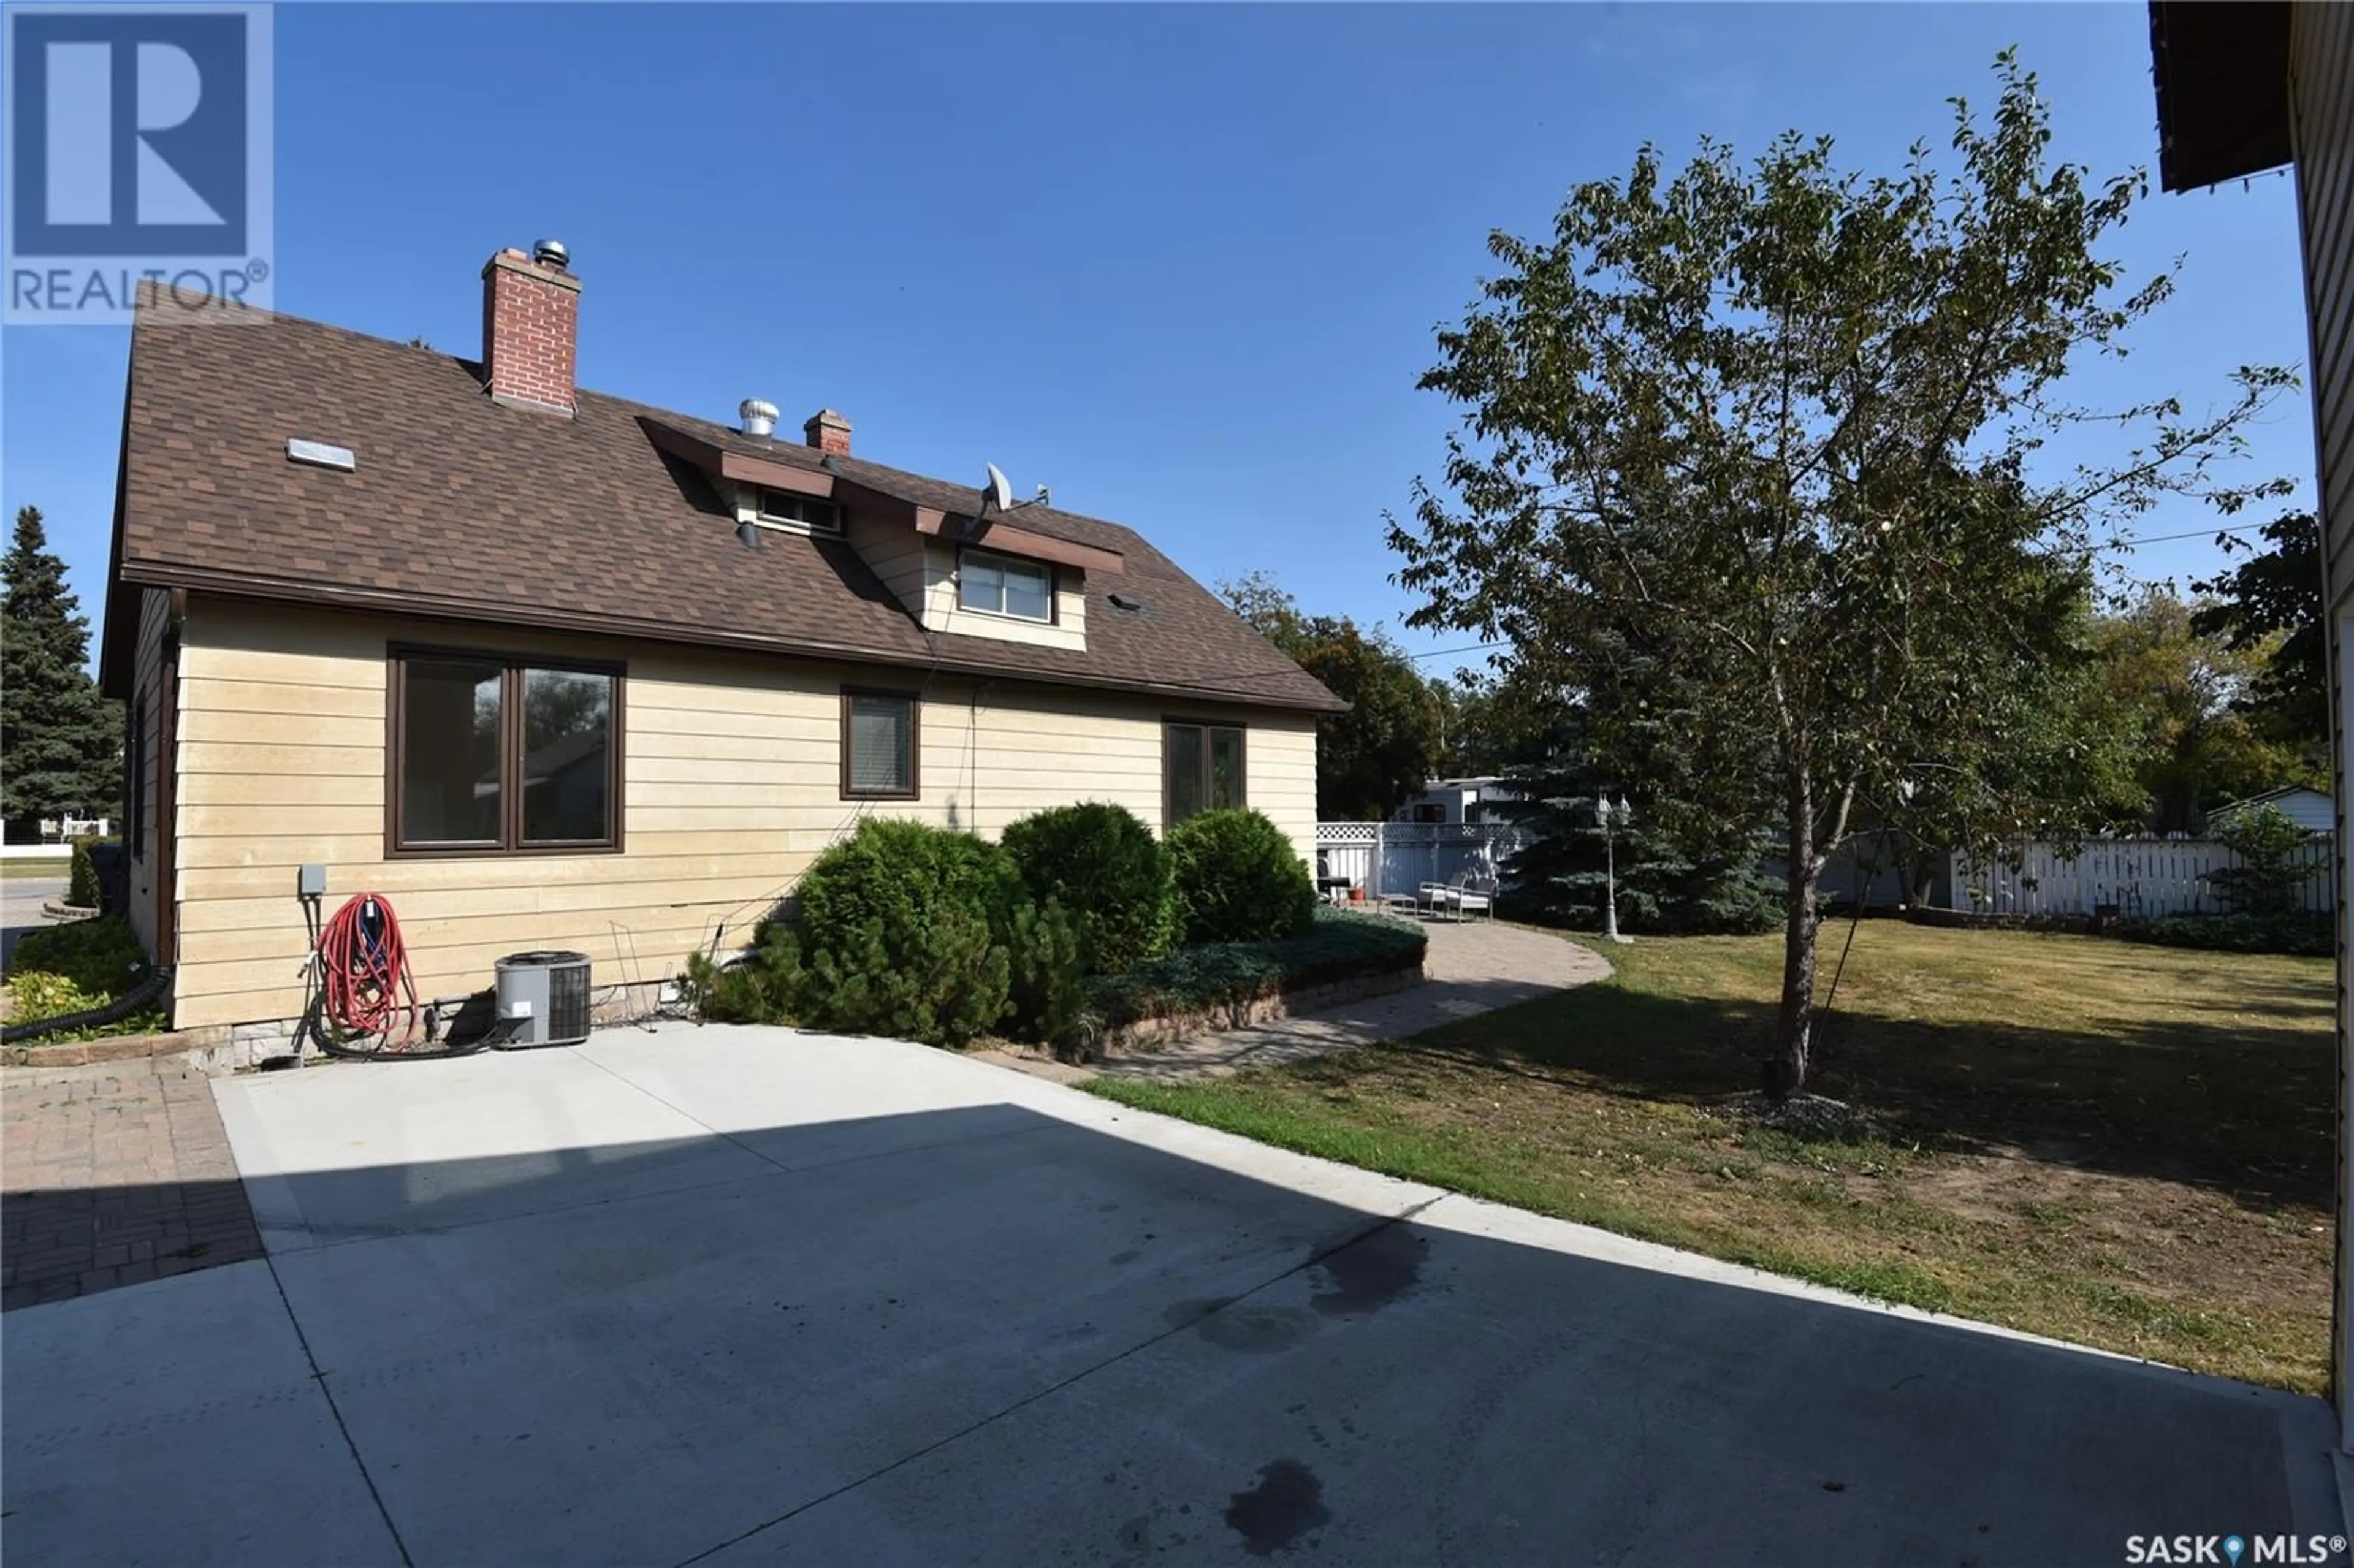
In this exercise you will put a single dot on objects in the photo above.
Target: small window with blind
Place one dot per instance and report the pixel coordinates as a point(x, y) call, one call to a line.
point(878, 745)
point(1202, 767)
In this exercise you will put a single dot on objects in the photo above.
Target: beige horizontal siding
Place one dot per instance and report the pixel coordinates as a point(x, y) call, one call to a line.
point(732, 769)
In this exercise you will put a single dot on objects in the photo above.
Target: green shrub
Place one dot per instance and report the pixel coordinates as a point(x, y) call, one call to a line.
point(2298, 936)
point(1108, 872)
point(58, 969)
point(1235, 878)
point(1049, 974)
point(1336, 945)
point(82, 889)
point(100, 957)
point(902, 930)
point(763, 988)
point(2264, 883)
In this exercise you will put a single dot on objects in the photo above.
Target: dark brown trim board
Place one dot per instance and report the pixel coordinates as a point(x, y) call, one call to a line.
point(167, 782)
point(512, 668)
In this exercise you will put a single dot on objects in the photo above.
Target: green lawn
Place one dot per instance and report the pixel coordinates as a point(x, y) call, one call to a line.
point(2125, 1145)
point(14, 869)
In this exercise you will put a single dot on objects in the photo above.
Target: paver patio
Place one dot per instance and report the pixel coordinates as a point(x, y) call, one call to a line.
point(111, 1178)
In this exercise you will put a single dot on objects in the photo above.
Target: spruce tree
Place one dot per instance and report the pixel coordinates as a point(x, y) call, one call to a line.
point(61, 741)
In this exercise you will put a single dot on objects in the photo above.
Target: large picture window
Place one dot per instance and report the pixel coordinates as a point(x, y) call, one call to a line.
point(1000, 585)
point(879, 737)
point(492, 755)
point(1202, 768)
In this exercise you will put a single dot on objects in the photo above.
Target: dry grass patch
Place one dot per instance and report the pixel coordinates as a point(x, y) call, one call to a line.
point(2124, 1146)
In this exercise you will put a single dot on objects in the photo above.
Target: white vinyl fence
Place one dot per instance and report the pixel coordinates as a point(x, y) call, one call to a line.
point(2140, 877)
point(1398, 857)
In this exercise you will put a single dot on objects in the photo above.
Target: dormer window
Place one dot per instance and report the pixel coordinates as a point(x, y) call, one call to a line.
point(1002, 585)
point(798, 513)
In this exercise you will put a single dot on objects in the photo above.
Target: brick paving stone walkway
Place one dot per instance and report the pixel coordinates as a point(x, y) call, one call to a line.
point(110, 1179)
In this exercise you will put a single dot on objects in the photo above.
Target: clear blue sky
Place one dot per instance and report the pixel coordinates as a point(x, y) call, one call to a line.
point(1183, 263)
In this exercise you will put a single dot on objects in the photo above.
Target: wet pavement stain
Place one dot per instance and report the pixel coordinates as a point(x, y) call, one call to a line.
point(1288, 1502)
point(1367, 1276)
point(1254, 1330)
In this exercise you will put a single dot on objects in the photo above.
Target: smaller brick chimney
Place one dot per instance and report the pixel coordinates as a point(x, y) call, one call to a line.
point(531, 328)
point(827, 432)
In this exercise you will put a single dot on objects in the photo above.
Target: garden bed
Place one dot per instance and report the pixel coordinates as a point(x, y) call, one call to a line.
point(1342, 957)
point(75, 968)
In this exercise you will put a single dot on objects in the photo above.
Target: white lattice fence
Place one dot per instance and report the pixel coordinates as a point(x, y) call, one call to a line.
point(1398, 857)
point(2140, 877)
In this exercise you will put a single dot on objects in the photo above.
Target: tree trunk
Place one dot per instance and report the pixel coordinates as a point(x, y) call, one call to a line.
point(1785, 1069)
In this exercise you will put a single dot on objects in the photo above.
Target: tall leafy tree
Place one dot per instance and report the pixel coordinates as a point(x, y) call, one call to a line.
point(61, 741)
point(1750, 458)
point(1386, 749)
point(2180, 694)
point(2270, 603)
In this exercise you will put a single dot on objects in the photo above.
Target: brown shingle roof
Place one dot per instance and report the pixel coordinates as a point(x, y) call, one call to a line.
point(464, 508)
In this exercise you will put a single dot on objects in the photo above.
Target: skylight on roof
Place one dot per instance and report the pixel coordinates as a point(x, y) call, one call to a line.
point(319, 454)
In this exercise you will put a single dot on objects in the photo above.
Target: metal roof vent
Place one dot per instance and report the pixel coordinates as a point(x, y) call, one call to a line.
point(319, 454)
point(760, 418)
point(551, 253)
point(1122, 601)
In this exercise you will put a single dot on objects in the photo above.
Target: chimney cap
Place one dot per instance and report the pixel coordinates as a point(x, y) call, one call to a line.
point(551, 252)
point(760, 416)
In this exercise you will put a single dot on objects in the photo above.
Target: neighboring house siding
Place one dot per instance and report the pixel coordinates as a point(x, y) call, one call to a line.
point(152, 688)
point(732, 769)
point(2321, 115)
point(2321, 89)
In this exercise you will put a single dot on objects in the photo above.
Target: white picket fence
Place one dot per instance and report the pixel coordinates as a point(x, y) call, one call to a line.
point(1398, 857)
point(2140, 877)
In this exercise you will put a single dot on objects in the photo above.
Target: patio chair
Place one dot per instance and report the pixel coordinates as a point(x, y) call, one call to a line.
point(1475, 894)
point(1471, 893)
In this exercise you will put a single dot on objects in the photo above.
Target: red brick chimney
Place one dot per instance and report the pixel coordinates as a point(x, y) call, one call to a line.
point(827, 432)
point(531, 327)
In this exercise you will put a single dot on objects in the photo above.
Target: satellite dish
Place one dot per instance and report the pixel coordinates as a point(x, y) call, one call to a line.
point(997, 492)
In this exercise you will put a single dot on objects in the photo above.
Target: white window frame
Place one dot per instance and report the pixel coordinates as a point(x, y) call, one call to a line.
point(1006, 563)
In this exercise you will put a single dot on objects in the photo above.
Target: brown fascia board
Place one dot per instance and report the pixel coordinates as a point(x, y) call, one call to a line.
point(722, 464)
point(235, 585)
point(1016, 541)
point(118, 642)
point(2220, 69)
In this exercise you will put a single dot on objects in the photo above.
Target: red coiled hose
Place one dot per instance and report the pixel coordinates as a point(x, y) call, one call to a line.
point(363, 975)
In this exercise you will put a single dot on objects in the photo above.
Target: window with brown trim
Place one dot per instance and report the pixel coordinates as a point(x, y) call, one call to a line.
point(1202, 768)
point(494, 755)
point(881, 734)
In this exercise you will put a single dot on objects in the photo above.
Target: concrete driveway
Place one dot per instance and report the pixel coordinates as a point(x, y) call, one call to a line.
point(746, 1296)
